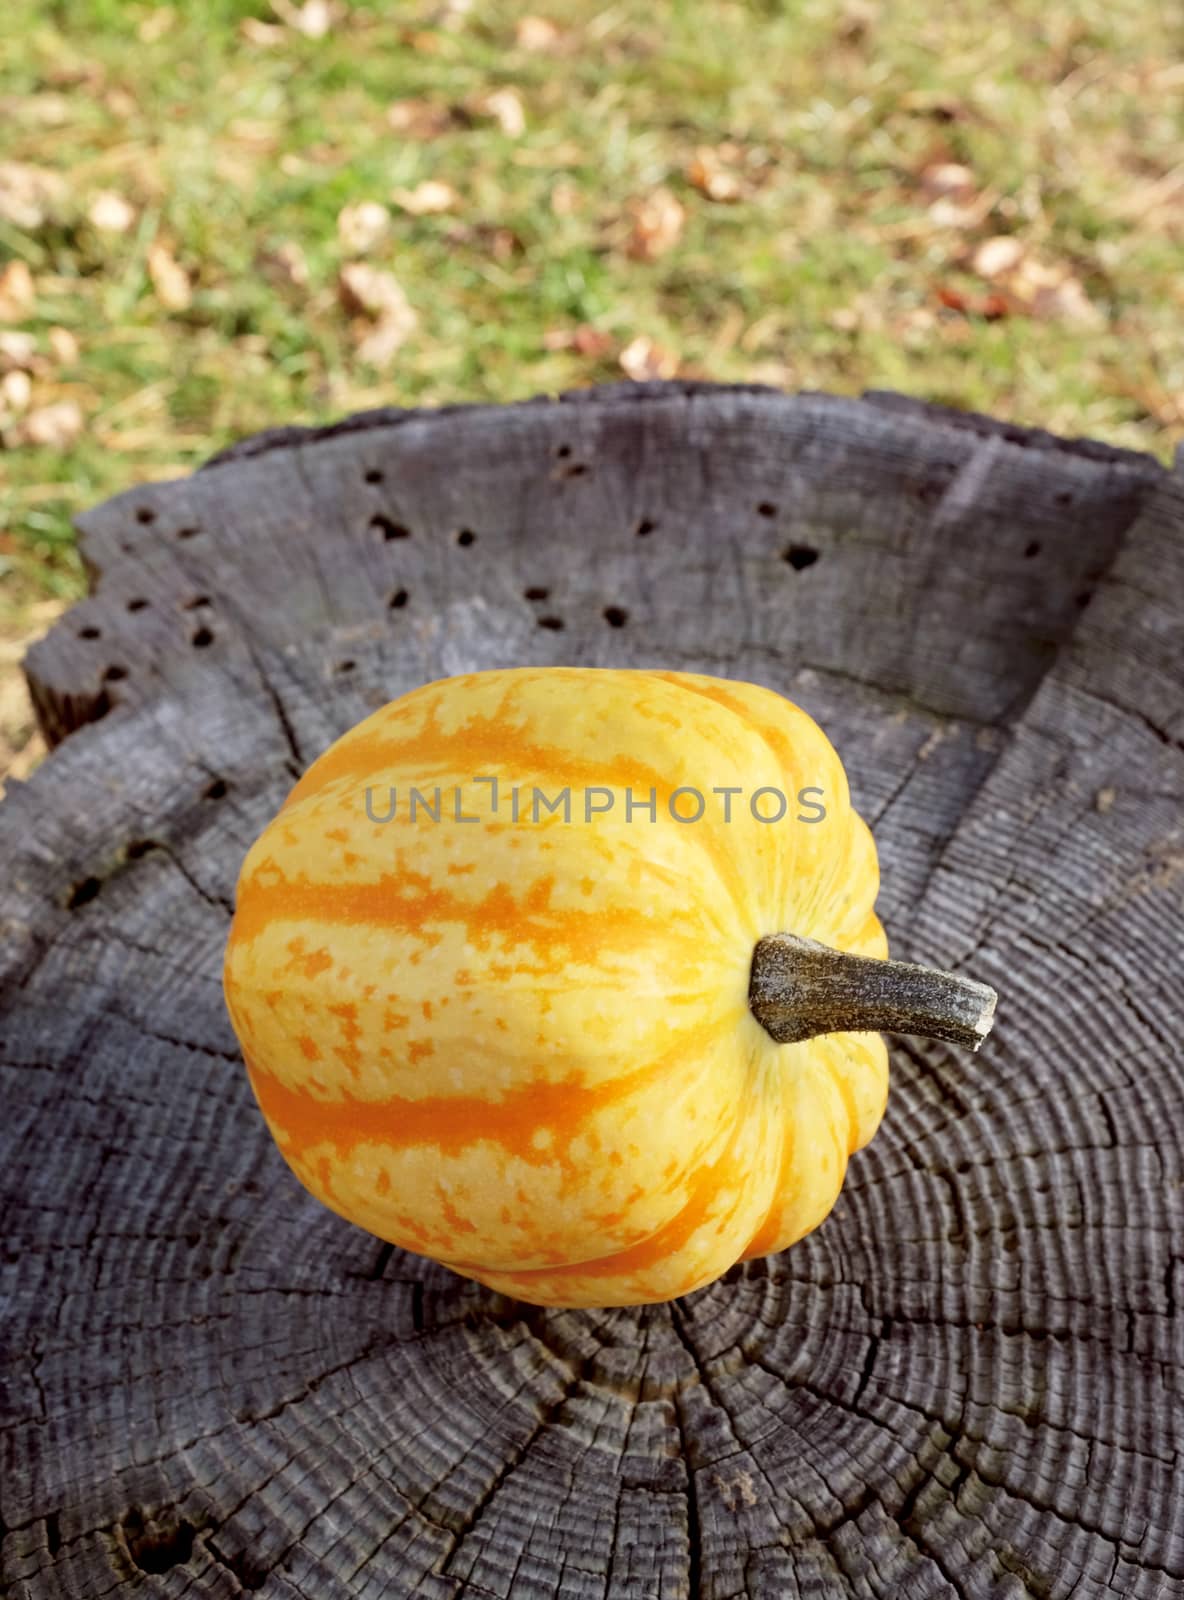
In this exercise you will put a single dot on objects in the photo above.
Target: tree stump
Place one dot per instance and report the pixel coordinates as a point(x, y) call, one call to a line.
point(967, 1382)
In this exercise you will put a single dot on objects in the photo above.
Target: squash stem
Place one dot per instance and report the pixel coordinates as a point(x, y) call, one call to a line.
point(799, 989)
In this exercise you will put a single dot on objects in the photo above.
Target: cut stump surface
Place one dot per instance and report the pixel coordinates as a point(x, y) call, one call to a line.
point(967, 1382)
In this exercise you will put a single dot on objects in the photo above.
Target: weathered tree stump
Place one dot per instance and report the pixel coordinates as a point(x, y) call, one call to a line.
point(967, 1382)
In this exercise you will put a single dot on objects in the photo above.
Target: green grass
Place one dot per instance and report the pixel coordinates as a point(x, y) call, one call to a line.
point(826, 273)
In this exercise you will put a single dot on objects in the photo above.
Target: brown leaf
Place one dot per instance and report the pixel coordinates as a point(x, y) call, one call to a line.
point(1149, 201)
point(388, 335)
point(17, 294)
point(584, 339)
point(71, 73)
point(954, 201)
point(863, 314)
point(500, 243)
point(254, 133)
point(362, 225)
point(265, 34)
point(30, 196)
point(313, 19)
point(422, 41)
point(935, 103)
point(420, 119)
point(642, 359)
point(16, 390)
point(856, 21)
point(50, 427)
point(948, 180)
point(990, 306)
point(169, 279)
point(369, 292)
point(658, 221)
point(284, 265)
point(35, 110)
point(997, 256)
point(566, 199)
point(428, 198)
point(18, 351)
point(708, 173)
point(1031, 287)
point(63, 346)
point(111, 213)
point(120, 103)
point(505, 107)
point(156, 24)
point(1065, 300)
point(539, 35)
point(452, 15)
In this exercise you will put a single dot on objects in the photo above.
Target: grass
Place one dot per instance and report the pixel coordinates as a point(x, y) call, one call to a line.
point(870, 152)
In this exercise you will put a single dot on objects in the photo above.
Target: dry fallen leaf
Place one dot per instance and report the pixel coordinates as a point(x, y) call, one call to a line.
point(63, 346)
point(156, 24)
point(998, 255)
point(361, 226)
point(452, 15)
point(422, 40)
point(387, 337)
point(539, 35)
point(954, 199)
point(642, 359)
point(856, 21)
point(990, 306)
point(935, 103)
point(712, 178)
point(111, 213)
point(566, 199)
point(16, 390)
point(1028, 286)
point(120, 103)
point(500, 243)
point(29, 196)
point(17, 294)
point(862, 315)
point(367, 292)
point(265, 34)
point(18, 351)
point(948, 180)
point(36, 110)
point(505, 107)
point(255, 134)
point(50, 427)
point(313, 19)
point(428, 198)
point(1054, 294)
point(419, 119)
point(658, 221)
point(169, 279)
point(584, 339)
point(71, 73)
point(285, 264)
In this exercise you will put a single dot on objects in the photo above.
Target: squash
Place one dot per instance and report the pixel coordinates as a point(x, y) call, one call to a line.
point(587, 1051)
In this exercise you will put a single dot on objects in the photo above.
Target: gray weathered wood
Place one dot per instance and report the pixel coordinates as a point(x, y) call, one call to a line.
point(967, 1382)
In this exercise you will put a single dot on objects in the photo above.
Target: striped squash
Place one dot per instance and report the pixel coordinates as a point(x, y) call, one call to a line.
point(524, 1047)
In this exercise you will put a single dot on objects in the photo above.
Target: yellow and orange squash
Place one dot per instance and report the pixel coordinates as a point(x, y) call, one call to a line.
point(520, 1041)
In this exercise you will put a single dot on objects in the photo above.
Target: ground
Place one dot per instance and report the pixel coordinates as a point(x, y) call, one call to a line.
point(215, 218)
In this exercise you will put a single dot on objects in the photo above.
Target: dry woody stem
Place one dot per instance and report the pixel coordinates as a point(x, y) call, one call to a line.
point(800, 989)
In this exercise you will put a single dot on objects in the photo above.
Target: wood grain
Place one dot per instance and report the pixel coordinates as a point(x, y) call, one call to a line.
point(966, 1383)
